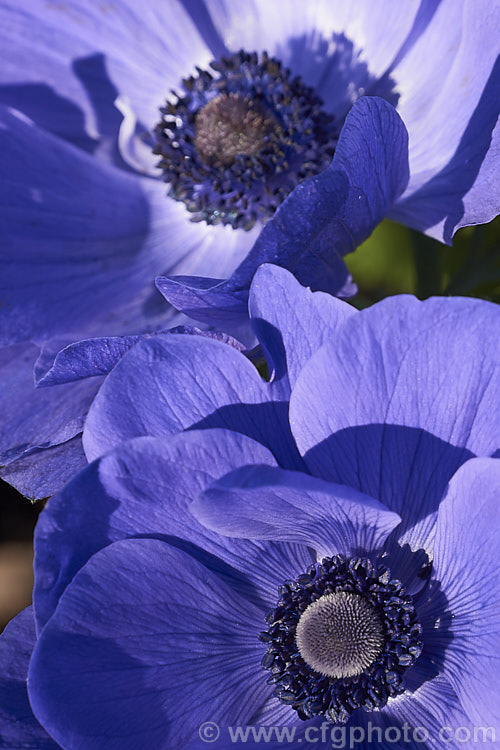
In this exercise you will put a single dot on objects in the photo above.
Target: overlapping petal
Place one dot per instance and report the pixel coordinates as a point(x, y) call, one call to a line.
point(451, 110)
point(145, 488)
point(402, 397)
point(197, 383)
point(18, 726)
point(269, 503)
point(324, 218)
point(89, 358)
point(293, 322)
point(37, 429)
point(119, 661)
point(468, 520)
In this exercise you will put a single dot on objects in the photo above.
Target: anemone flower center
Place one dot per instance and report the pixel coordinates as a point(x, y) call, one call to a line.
point(340, 635)
point(341, 638)
point(239, 137)
point(230, 125)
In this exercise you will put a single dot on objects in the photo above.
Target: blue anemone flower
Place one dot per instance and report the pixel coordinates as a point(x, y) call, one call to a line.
point(261, 94)
point(189, 574)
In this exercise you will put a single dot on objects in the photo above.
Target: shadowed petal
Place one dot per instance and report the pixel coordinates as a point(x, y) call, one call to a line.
point(31, 418)
point(42, 473)
point(466, 564)
point(403, 396)
point(40, 431)
point(145, 488)
point(18, 726)
point(292, 322)
point(85, 55)
point(451, 107)
point(84, 241)
point(167, 384)
point(120, 660)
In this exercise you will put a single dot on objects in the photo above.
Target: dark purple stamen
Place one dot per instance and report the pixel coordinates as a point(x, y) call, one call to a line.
point(238, 139)
point(340, 638)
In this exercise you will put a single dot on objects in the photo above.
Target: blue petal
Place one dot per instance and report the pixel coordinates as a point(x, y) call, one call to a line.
point(324, 218)
point(450, 106)
point(75, 225)
point(466, 565)
point(42, 473)
point(373, 153)
point(40, 431)
point(426, 717)
point(65, 68)
point(167, 384)
point(292, 322)
point(68, 362)
point(146, 644)
point(92, 357)
point(269, 503)
point(216, 301)
point(93, 237)
point(206, 299)
point(334, 46)
point(145, 488)
point(18, 727)
point(33, 419)
point(402, 396)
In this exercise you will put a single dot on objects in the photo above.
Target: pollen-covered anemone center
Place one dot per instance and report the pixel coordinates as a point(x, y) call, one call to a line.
point(340, 638)
point(237, 139)
point(230, 125)
point(340, 635)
